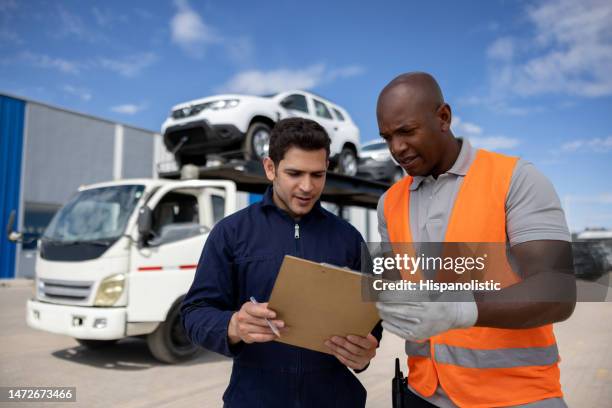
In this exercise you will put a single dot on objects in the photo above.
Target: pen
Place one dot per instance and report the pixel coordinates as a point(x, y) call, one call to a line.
point(272, 326)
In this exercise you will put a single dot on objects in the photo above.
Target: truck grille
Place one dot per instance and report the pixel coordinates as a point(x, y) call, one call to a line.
point(60, 289)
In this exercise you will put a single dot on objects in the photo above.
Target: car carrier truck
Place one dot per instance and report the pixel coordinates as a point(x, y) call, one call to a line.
point(118, 257)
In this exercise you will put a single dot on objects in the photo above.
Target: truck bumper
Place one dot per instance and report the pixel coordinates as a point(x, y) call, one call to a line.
point(94, 323)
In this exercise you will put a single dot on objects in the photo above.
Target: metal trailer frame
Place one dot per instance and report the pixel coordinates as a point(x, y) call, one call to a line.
point(249, 176)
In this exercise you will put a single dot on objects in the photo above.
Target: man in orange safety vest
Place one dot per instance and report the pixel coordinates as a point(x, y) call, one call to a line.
point(473, 353)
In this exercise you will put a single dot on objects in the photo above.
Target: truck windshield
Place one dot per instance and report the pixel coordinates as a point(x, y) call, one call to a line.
point(97, 215)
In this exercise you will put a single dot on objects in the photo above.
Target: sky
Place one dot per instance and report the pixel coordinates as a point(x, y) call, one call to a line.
point(526, 78)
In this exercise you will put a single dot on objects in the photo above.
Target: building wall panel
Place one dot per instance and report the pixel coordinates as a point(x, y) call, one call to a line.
point(64, 151)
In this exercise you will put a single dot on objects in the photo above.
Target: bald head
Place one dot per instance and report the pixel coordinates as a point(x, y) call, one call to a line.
point(416, 89)
point(415, 122)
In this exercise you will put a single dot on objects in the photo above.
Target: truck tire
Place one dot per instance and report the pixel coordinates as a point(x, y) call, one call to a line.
point(347, 162)
point(169, 342)
point(257, 141)
point(95, 344)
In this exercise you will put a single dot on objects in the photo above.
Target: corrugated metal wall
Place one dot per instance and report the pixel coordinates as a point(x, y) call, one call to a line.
point(64, 150)
point(137, 153)
point(11, 143)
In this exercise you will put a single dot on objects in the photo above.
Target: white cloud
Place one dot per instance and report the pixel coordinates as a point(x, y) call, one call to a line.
point(129, 66)
point(474, 134)
point(128, 108)
point(499, 105)
point(346, 72)
point(261, 82)
point(596, 145)
point(602, 198)
point(189, 31)
point(494, 142)
point(194, 36)
point(465, 128)
point(501, 49)
point(105, 17)
point(81, 93)
point(570, 51)
point(45, 61)
point(265, 82)
point(72, 25)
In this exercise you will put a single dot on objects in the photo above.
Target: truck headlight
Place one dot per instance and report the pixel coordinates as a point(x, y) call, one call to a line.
point(110, 290)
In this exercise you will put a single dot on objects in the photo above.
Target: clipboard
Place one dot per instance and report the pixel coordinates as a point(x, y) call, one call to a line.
point(317, 301)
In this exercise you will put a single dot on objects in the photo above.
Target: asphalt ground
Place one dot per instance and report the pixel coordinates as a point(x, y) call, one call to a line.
point(126, 375)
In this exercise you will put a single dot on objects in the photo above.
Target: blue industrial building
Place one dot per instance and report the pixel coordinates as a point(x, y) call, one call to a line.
point(46, 153)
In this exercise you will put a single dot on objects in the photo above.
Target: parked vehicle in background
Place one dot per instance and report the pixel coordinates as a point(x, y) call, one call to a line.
point(376, 163)
point(590, 259)
point(592, 250)
point(239, 126)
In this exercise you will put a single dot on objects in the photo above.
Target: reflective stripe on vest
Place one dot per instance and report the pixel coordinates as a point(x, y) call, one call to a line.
point(479, 366)
point(479, 358)
point(418, 349)
point(497, 358)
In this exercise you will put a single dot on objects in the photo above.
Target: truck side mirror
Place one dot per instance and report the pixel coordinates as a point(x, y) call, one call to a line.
point(145, 221)
point(12, 236)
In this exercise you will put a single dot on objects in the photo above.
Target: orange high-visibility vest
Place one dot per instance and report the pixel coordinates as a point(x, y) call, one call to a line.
point(479, 366)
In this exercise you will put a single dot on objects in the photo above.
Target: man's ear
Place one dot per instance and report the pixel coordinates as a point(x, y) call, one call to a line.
point(269, 168)
point(445, 115)
point(327, 165)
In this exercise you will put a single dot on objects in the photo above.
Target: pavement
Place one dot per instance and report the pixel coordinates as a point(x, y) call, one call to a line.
point(126, 375)
point(16, 283)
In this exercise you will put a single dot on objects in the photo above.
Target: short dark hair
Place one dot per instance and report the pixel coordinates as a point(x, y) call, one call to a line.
point(302, 133)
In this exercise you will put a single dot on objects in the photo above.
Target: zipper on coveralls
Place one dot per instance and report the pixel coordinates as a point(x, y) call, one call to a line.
point(296, 235)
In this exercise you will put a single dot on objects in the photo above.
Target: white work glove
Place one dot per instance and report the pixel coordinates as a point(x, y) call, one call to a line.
point(419, 320)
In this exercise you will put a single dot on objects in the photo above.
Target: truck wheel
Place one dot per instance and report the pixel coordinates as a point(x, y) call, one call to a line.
point(95, 344)
point(257, 141)
point(347, 162)
point(169, 342)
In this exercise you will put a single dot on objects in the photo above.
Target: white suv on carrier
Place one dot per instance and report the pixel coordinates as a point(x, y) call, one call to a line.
point(239, 126)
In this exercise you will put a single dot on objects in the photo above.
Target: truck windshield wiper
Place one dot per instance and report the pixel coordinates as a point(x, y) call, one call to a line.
point(96, 242)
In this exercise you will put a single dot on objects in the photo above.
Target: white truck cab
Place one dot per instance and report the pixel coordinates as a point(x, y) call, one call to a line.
point(117, 259)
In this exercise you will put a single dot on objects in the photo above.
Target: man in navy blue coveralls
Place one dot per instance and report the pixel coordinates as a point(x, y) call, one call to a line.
point(241, 258)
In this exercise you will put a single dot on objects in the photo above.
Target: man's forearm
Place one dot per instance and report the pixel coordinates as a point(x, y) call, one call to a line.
point(523, 315)
point(208, 326)
point(546, 294)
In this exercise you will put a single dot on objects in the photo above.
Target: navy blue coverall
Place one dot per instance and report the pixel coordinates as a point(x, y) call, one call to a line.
point(241, 258)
